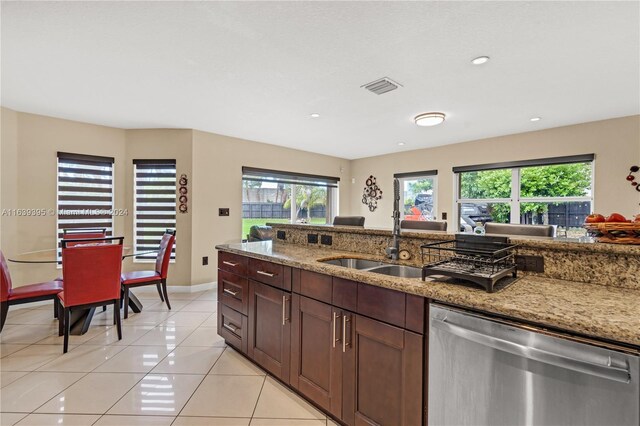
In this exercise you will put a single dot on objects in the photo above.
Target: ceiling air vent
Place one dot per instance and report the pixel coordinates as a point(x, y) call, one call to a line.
point(381, 86)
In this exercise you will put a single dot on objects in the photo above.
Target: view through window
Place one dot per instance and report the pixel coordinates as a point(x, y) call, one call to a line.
point(284, 197)
point(418, 195)
point(557, 194)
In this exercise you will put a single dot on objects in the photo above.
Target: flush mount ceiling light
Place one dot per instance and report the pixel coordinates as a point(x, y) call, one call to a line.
point(400, 143)
point(534, 119)
point(314, 115)
point(429, 119)
point(480, 60)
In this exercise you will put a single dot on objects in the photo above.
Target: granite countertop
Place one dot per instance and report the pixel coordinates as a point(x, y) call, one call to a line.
point(594, 310)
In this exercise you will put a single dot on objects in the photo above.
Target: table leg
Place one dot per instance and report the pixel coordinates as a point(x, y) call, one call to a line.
point(80, 320)
point(134, 303)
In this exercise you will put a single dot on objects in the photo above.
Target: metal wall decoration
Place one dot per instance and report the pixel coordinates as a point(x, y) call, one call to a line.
point(632, 179)
point(183, 191)
point(371, 193)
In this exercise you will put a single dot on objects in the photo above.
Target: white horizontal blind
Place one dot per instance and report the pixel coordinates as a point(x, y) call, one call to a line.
point(85, 193)
point(155, 205)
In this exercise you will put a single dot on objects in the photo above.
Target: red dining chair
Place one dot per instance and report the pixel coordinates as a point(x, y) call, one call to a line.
point(26, 294)
point(91, 271)
point(83, 234)
point(158, 276)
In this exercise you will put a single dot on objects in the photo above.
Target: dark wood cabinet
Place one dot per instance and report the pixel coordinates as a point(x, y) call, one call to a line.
point(270, 328)
point(316, 352)
point(382, 379)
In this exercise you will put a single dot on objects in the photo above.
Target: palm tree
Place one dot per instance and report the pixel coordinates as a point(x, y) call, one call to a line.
point(309, 197)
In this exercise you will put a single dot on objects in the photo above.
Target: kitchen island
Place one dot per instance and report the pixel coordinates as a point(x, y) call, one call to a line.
point(357, 343)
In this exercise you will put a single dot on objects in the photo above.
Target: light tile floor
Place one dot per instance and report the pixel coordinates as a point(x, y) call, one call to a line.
point(170, 368)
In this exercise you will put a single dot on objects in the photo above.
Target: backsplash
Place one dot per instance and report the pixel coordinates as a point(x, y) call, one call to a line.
point(595, 263)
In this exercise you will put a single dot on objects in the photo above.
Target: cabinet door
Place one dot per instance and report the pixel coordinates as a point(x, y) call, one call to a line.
point(270, 328)
point(382, 374)
point(316, 352)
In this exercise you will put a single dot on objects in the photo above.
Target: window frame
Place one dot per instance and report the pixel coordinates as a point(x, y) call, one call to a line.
point(515, 199)
point(151, 162)
point(61, 157)
point(410, 176)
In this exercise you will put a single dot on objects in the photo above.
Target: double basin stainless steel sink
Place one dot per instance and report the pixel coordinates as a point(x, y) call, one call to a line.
point(378, 267)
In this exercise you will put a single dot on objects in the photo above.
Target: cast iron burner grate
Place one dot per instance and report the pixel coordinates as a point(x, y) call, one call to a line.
point(479, 259)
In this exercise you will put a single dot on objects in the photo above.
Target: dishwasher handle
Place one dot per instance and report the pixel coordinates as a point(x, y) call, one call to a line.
point(606, 371)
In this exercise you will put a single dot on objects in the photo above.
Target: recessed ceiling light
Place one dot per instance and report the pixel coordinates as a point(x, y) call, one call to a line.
point(536, 119)
point(400, 143)
point(314, 115)
point(480, 60)
point(429, 119)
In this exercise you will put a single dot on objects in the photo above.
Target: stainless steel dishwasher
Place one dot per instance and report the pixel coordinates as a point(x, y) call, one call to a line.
point(484, 371)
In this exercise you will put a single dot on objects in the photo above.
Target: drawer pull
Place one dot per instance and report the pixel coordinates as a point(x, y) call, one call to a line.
point(267, 274)
point(233, 293)
point(231, 327)
point(229, 263)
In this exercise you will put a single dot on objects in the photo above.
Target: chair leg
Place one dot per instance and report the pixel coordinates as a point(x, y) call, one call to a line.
point(4, 310)
point(126, 302)
point(104, 308)
point(160, 292)
point(166, 296)
point(116, 317)
point(67, 329)
point(55, 306)
point(60, 319)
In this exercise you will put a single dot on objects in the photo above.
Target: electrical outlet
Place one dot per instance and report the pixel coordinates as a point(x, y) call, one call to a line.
point(205, 260)
point(444, 215)
point(327, 240)
point(223, 212)
point(312, 238)
point(281, 235)
point(530, 263)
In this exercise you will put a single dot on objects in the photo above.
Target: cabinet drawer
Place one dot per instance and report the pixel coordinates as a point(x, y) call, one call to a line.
point(232, 263)
point(233, 291)
point(382, 304)
point(345, 294)
point(232, 325)
point(312, 284)
point(270, 273)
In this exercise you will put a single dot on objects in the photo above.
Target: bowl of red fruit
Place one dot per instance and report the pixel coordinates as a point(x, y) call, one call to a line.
point(614, 228)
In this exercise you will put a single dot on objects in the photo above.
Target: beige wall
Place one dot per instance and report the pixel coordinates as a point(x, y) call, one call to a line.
point(8, 176)
point(615, 142)
point(217, 182)
point(39, 140)
point(156, 144)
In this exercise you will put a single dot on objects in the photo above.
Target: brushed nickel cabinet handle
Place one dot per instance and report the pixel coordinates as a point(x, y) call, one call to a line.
point(229, 263)
point(233, 293)
point(268, 274)
point(344, 333)
point(333, 328)
point(284, 310)
point(231, 327)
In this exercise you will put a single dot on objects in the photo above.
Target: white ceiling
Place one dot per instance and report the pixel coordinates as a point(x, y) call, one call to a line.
point(256, 70)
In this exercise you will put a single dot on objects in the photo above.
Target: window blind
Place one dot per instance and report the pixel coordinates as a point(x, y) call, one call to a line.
point(85, 193)
point(585, 158)
point(265, 175)
point(155, 205)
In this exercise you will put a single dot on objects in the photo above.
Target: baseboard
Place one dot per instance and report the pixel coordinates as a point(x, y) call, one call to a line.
point(180, 288)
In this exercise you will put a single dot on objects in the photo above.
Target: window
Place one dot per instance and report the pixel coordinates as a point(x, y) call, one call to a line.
point(418, 195)
point(154, 205)
point(553, 191)
point(275, 196)
point(85, 193)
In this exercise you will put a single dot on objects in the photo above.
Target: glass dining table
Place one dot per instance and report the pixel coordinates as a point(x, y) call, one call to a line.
point(80, 318)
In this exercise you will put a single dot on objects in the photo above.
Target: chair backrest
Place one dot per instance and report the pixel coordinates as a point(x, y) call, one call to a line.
point(349, 220)
point(515, 229)
point(5, 278)
point(91, 270)
point(427, 225)
point(164, 254)
point(83, 234)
